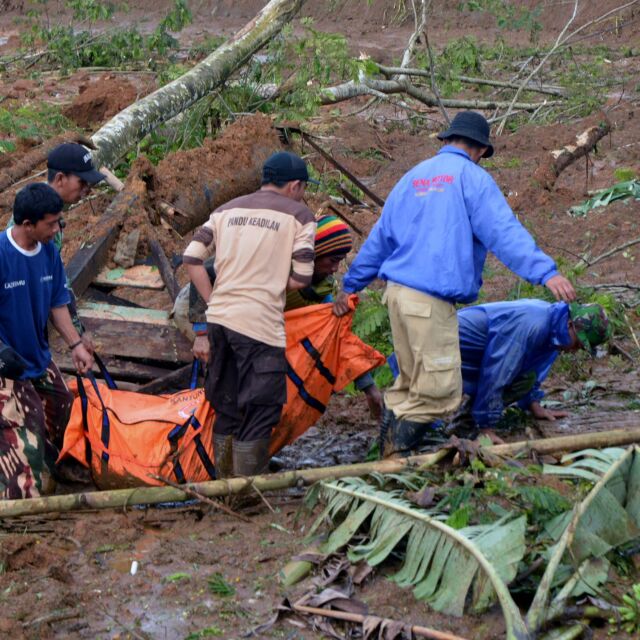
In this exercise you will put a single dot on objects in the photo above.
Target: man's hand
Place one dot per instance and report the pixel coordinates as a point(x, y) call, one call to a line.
point(201, 349)
point(341, 304)
point(87, 341)
point(540, 413)
point(374, 400)
point(82, 359)
point(561, 288)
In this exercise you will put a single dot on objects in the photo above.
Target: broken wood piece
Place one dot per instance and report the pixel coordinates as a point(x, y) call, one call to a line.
point(141, 276)
point(349, 222)
point(327, 156)
point(550, 168)
point(423, 632)
point(126, 249)
point(111, 179)
point(179, 378)
point(166, 272)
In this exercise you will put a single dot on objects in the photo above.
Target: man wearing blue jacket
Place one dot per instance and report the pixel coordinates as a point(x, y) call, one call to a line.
point(508, 349)
point(430, 245)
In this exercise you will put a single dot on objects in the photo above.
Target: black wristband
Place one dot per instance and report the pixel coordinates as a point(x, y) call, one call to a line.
point(74, 345)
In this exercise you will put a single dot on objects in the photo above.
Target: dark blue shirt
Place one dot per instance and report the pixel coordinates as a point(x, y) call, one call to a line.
point(435, 230)
point(31, 284)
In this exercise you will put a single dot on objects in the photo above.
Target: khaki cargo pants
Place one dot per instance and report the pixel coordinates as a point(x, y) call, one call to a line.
point(425, 339)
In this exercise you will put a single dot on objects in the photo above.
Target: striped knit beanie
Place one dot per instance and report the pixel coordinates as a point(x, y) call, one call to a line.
point(332, 237)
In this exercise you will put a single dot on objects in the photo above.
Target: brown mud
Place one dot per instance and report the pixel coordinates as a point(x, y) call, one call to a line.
point(69, 576)
point(100, 100)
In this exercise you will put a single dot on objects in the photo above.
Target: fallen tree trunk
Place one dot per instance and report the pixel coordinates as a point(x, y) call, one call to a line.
point(352, 89)
point(426, 73)
point(558, 160)
point(302, 477)
point(131, 125)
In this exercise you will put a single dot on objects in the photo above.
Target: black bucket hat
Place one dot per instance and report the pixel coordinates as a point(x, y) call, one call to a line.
point(472, 125)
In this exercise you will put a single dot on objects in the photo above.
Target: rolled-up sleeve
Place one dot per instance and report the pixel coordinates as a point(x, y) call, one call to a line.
point(303, 252)
point(202, 245)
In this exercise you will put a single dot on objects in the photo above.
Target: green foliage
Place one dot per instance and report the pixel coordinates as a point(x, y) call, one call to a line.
point(310, 63)
point(510, 16)
point(220, 587)
point(629, 612)
point(371, 324)
point(33, 120)
point(69, 47)
point(177, 577)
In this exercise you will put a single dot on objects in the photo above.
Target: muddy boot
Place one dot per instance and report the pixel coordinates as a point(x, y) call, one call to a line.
point(251, 458)
point(223, 453)
point(405, 437)
point(387, 426)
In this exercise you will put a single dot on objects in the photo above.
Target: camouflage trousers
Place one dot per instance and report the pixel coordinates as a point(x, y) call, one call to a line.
point(33, 416)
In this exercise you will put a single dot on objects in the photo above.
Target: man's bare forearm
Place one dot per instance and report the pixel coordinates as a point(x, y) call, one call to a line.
point(61, 319)
point(200, 278)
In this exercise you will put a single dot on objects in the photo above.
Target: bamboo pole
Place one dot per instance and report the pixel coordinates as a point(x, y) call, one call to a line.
point(301, 477)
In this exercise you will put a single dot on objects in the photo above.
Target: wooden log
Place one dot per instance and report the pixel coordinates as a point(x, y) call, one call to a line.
point(558, 160)
point(298, 477)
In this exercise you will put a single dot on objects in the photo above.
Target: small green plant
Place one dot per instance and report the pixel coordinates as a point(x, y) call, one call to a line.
point(629, 613)
point(209, 632)
point(177, 577)
point(624, 174)
point(220, 587)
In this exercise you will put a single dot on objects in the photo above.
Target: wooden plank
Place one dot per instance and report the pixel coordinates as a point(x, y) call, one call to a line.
point(135, 341)
point(141, 276)
point(166, 272)
point(119, 369)
point(107, 312)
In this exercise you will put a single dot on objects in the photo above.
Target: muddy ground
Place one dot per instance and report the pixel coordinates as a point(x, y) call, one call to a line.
point(70, 576)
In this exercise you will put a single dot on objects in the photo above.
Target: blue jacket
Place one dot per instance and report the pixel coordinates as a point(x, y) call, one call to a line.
point(502, 341)
point(435, 230)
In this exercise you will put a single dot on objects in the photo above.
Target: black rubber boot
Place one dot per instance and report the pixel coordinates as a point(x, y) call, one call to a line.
point(223, 452)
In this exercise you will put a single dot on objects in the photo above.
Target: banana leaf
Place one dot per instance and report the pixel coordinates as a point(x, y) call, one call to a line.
point(608, 517)
point(444, 565)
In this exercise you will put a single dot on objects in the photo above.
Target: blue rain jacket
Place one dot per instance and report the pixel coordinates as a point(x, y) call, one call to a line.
point(435, 230)
point(502, 341)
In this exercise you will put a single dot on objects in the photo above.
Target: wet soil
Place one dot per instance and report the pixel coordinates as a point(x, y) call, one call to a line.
point(69, 576)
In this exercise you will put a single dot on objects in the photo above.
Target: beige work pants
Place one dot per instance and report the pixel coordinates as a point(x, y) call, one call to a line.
point(425, 339)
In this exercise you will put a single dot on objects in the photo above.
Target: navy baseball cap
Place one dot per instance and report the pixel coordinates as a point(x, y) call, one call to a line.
point(76, 159)
point(285, 166)
point(472, 125)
